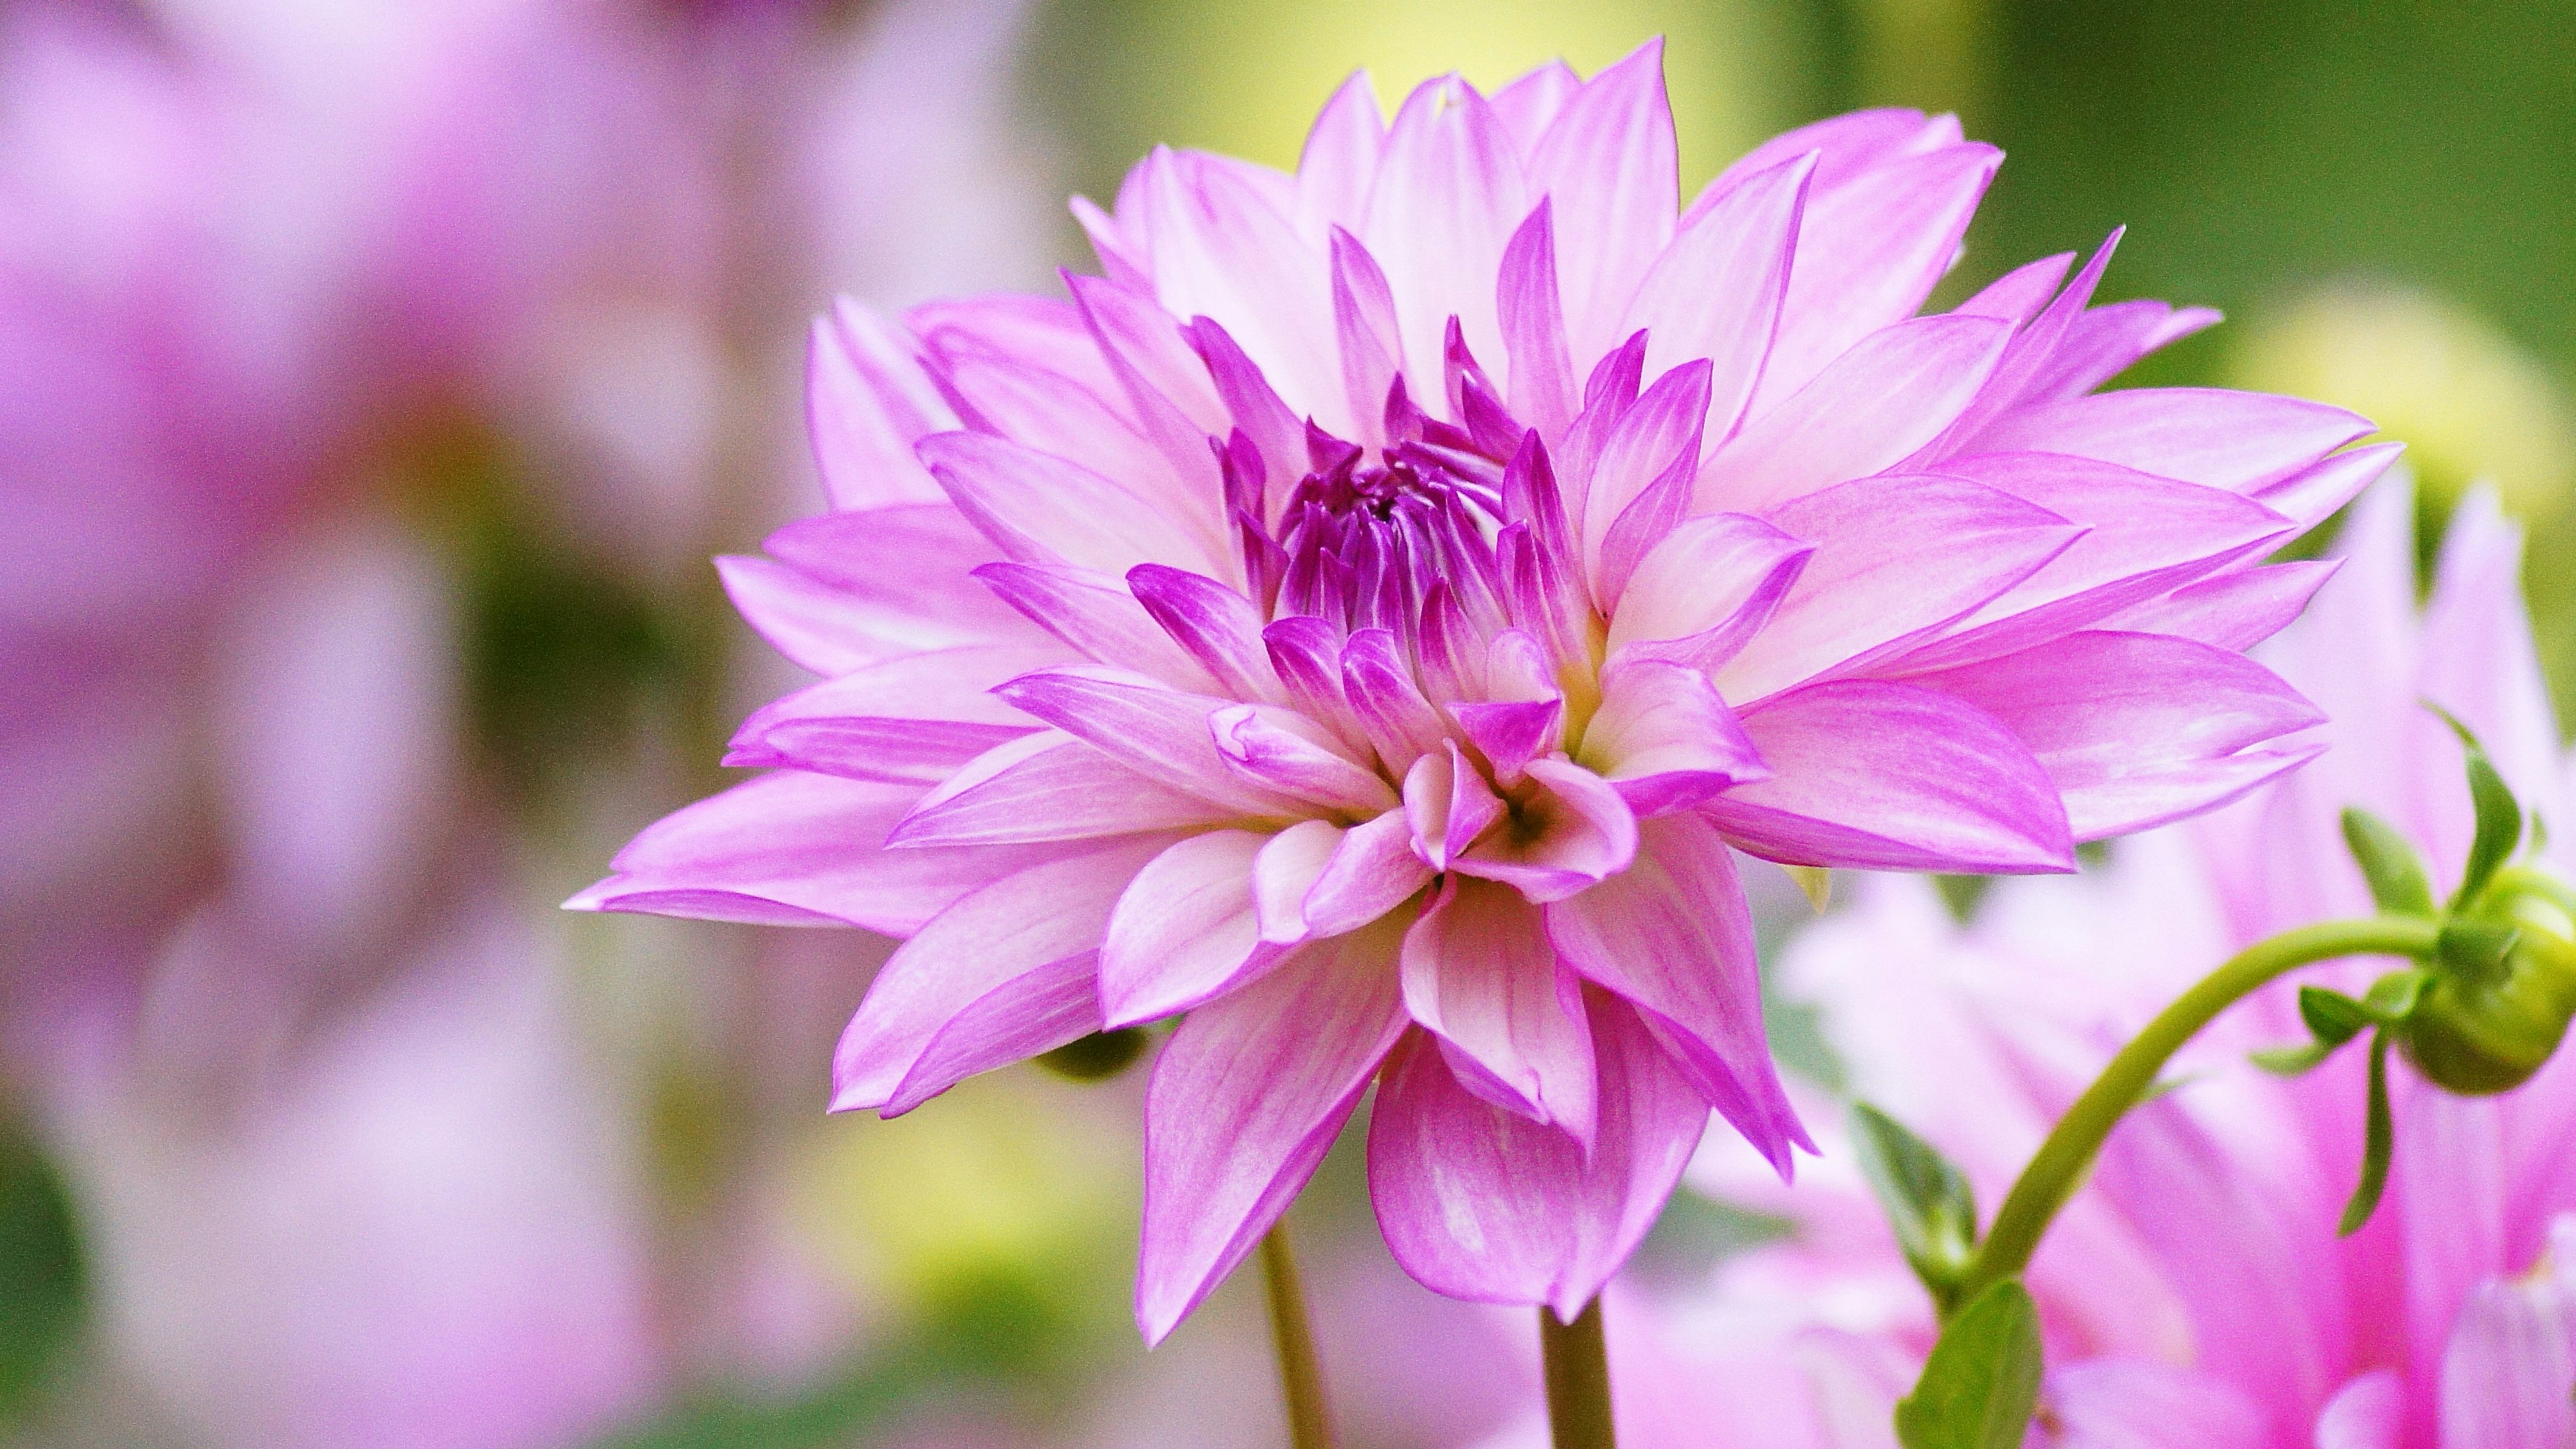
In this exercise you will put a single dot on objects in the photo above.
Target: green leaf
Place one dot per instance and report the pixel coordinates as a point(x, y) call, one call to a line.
point(1928, 1201)
point(2392, 996)
point(1982, 1383)
point(2333, 1016)
point(2291, 1061)
point(2379, 1144)
point(2396, 875)
point(43, 1278)
point(2476, 950)
point(2499, 814)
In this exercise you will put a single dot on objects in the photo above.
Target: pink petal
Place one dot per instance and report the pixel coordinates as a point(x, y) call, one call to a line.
point(1448, 195)
point(1706, 589)
point(915, 718)
point(1246, 1098)
point(1160, 733)
point(2510, 1359)
point(1717, 290)
point(1529, 105)
point(904, 576)
point(1338, 167)
point(1165, 382)
point(867, 401)
point(1654, 445)
point(1046, 510)
point(1673, 936)
point(2145, 537)
point(1368, 340)
point(1097, 617)
point(2111, 1403)
point(1872, 408)
point(1847, 147)
point(1045, 787)
point(1003, 931)
point(2239, 441)
point(1484, 1204)
point(1284, 874)
point(2479, 658)
point(2368, 1413)
point(1371, 871)
point(2017, 295)
point(1664, 739)
point(1573, 832)
point(1869, 252)
point(1897, 559)
point(2137, 729)
point(793, 849)
point(1027, 1015)
point(1285, 753)
point(1213, 624)
point(1893, 777)
point(1447, 804)
point(1608, 164)
point(1478, 974)
point(1185, 931)
point(2105, 340)
point(1223, 250)
point(801, 617)
point(1046, 412)
point(1378, 680)
point(1542, 388)
point(2311, 496)
point(2234, 611)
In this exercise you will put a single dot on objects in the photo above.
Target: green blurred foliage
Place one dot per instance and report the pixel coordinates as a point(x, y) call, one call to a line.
point(41, 1272)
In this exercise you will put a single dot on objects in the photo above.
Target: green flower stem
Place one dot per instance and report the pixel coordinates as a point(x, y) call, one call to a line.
point(1578, 1379)
point(2053, 1175)
point(1301, 1381)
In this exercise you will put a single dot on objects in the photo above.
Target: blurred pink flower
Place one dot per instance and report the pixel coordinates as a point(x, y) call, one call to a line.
point(422, 1233)
point(2196, 1292)
point(1366, 618)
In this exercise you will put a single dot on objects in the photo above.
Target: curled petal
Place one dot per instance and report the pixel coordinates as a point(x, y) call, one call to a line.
point(1569, 829)
point(1664, 739)
point(1478, 974)
point(1372, 870)
point(1185, 930)
point(1285, 753)
point(1448, 804)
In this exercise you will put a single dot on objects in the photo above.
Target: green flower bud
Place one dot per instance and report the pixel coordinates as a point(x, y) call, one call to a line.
point(2500, 995)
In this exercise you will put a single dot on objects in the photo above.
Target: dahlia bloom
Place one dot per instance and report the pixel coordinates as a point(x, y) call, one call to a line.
point(1371, 617)
point(2195, 1292)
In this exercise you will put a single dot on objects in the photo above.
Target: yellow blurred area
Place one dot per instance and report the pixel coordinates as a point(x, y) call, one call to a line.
point(1009, 1178)
point(1246, 79)
point(2468, 402)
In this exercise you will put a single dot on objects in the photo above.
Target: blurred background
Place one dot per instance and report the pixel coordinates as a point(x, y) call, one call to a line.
point(376, 378)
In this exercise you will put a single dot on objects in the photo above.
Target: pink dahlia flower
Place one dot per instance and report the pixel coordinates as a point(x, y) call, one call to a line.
point(2196, 1292)
point(1370, 618)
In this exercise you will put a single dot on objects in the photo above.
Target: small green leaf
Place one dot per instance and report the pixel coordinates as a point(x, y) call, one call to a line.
point(2395, 873)
point(1928, 1201)
point(2476, 950)
point(2333, 1016)
point(2291, 1061)
point(1982, 1383)
point(2499, 814)
point(2379, 1144)
point(2392, 996)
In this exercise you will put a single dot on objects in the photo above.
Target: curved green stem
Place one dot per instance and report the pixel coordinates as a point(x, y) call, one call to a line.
point(1301, 1379)
point(2060, 1165)
point(1578, 1379)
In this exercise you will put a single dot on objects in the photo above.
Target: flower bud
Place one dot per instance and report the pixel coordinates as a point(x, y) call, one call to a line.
point(2499, 998)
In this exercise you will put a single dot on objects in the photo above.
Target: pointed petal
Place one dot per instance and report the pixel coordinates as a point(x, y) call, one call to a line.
point(2241, 441)
point(1702, 593)
point(1338, 167)
point(1097, 618)
point(1893, 777)
point(1034, 918)
point(916, 718)
point(1159, 732)
point(1447, 804)
point(1449, 193)
point(1674, 937)
point(1608, 163)
point(1664, 740)
point(1371, 871)
point(2510, 1359)
point(1049, 786)
point(1185, 931)
point(1717, 291)
point(867, 401)
point(1483, 1204)
point(1869, 252)
point(1213, 624)
point(2137, 729)
point(1244, 1101)
point(2234, 611)
point(1223, 250)
point(1479, 975)
point(1285, 753)
point(1897, 559)
point(1870, 409)
point(1542, 387)
point(1045, 510)
point(793, 849)
point(1658, 435)
point(1025, 1016)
